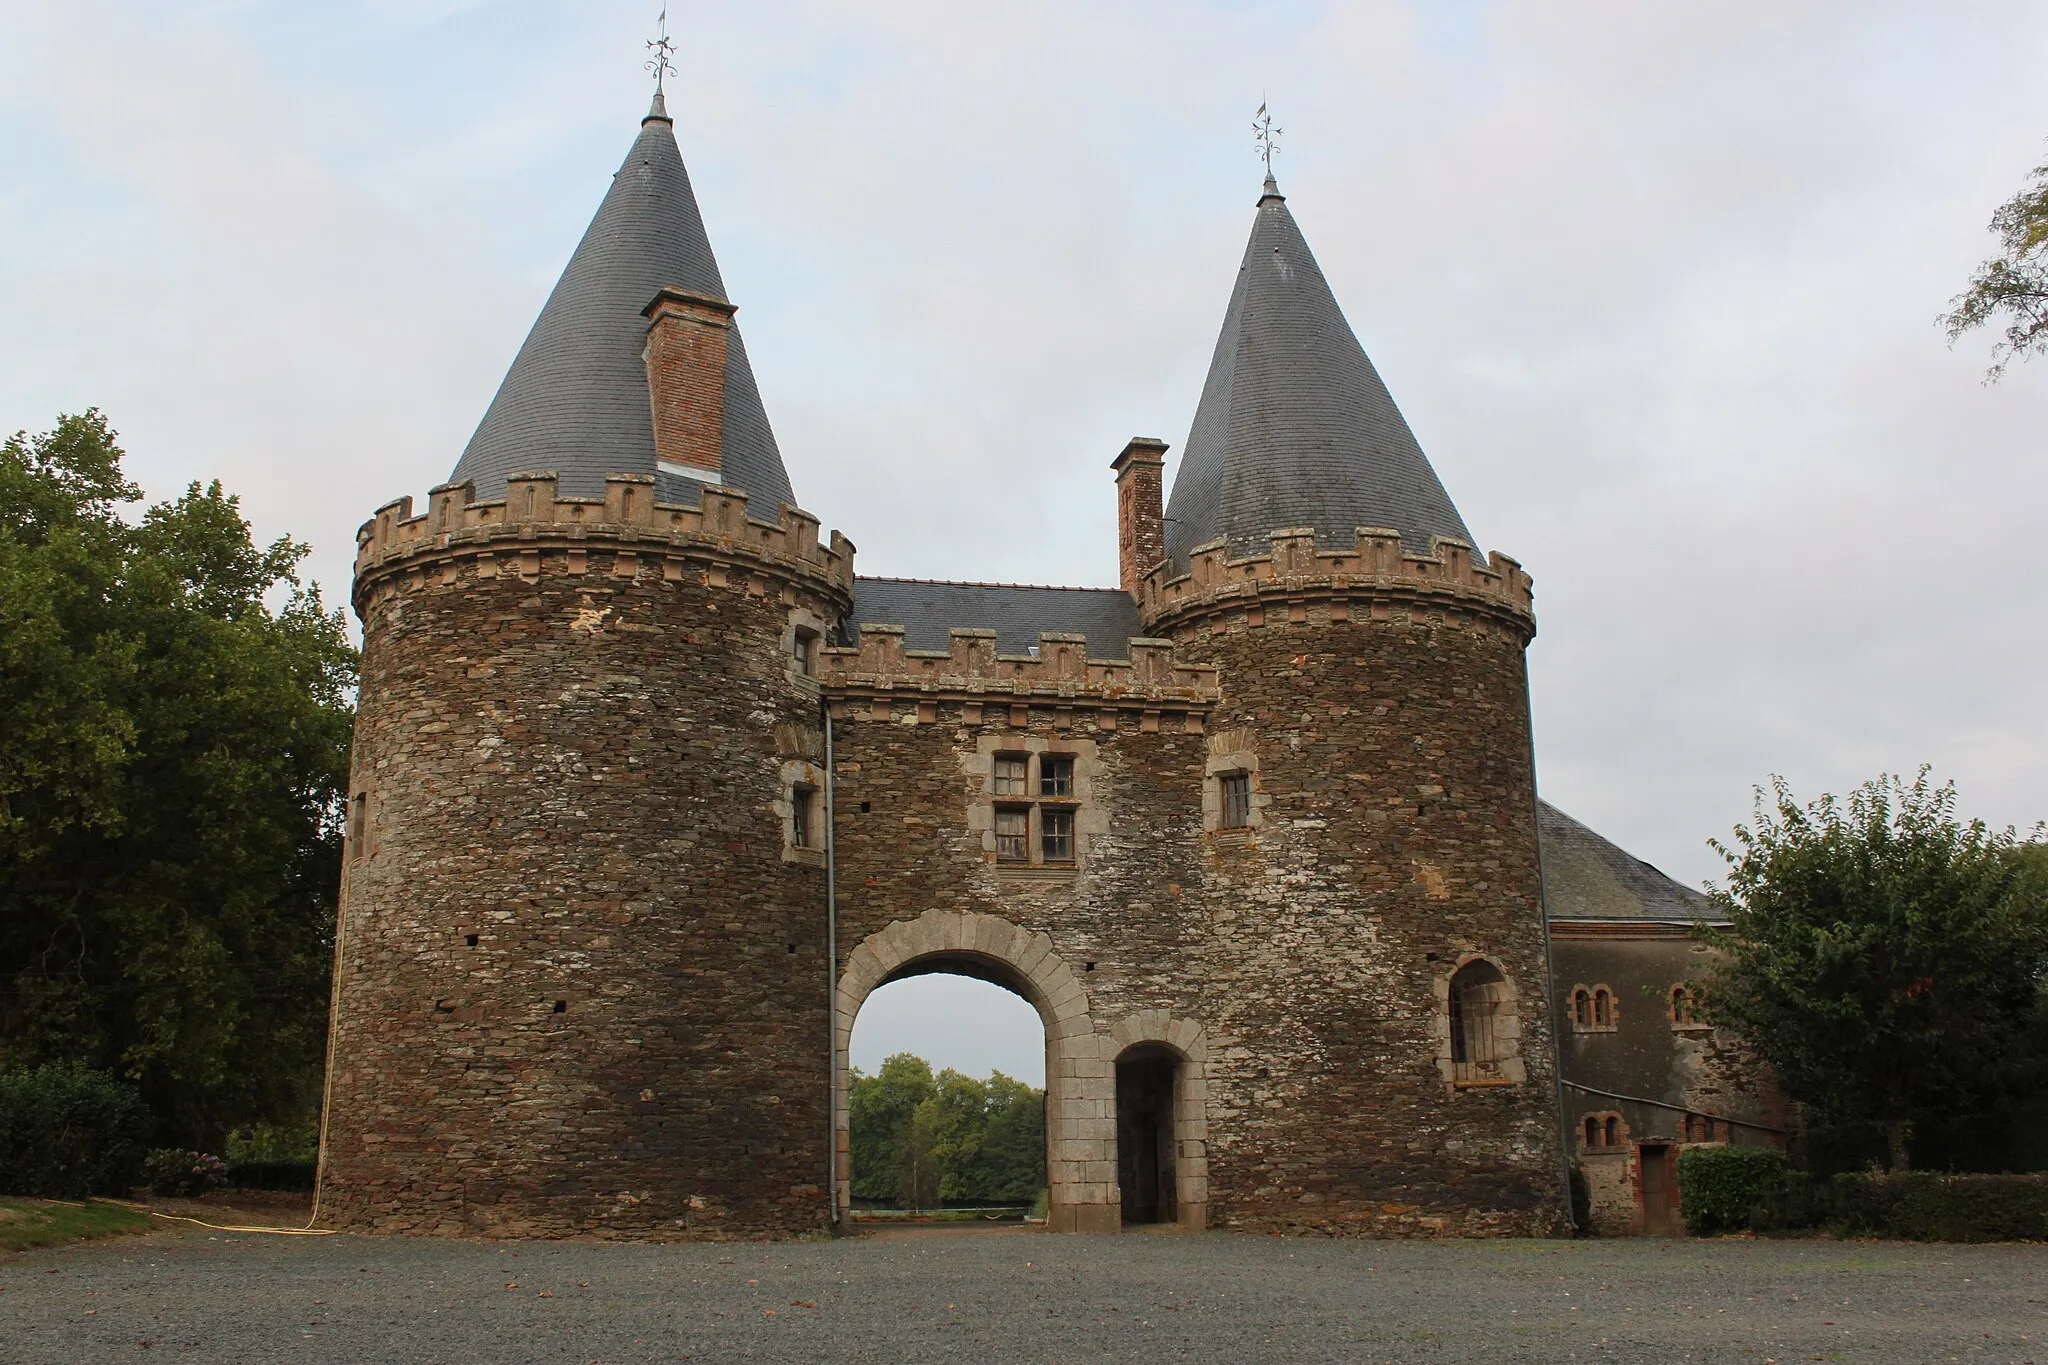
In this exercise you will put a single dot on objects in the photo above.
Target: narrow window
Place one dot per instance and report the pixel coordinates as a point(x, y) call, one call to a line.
point(803, 802)
point(1592, 1131)
point(356, 819)
point(1237, 800)
point(1055, 775)
point(803, 650)
point(1478, 997)
point(1012, 830)
point(1600, 1009)
point(1684, 1006)
point(1582, 1008)
point(1056, 835)
point(1613, 1132)
point(1010, 774)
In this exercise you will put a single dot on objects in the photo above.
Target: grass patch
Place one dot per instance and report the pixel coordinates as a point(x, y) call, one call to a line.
point(26, 1223)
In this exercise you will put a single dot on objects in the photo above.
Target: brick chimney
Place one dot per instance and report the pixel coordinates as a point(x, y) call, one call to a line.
point(1140, 509)
point(685, 354)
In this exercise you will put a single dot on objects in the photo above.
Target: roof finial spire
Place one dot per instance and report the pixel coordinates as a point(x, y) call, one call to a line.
point(659, 64)
point(1268, 140)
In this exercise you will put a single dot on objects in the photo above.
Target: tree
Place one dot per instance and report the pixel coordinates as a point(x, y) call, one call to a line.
point(879, 1111)
point(2012, 286)
point(172, 773)
point(1884, 957)
point(920, 1138)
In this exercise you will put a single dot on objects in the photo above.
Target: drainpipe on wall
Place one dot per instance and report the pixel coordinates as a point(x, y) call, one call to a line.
point(831, 977)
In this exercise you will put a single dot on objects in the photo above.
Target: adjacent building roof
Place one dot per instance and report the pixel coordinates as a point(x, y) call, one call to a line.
point(1294, 427)
point(1016, 612)
point(575, 400)
point(1587, 878)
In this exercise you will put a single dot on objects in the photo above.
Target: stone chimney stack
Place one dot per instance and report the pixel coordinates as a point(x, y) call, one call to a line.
point(685, 353)
point(1140, 509)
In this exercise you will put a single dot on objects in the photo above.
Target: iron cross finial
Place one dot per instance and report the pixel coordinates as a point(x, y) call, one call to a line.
point(661, 47)
point(1267, 136)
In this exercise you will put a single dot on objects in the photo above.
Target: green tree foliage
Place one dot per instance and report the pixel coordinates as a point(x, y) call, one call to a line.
point(172, 770)
point(920, 1138)
point(2012, 286)
point(1886, 958)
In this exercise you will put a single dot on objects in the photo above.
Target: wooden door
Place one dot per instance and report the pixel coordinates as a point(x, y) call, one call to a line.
point(1660, 1213)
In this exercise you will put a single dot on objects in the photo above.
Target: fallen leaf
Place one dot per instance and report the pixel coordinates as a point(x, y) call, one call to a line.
point(801, 1303)
point(545, 1294)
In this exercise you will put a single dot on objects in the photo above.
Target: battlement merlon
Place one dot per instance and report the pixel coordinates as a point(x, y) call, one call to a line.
point(878, 664)
point(1450, 577)
point(533, 516)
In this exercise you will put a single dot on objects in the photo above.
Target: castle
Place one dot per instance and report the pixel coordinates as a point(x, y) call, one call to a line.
point(650, 789)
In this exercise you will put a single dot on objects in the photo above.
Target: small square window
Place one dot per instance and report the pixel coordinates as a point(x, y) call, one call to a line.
point(1013, 825)
point(1055, 775)
point(1056, 835)
point(1010, 774)
point(803, 807)
point(1237, 800)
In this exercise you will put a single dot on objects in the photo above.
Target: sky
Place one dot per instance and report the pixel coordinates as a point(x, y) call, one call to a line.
point(1655, 285)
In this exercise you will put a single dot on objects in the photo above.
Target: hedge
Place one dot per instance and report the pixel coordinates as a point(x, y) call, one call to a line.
point(69, 1133)
point(1726, 1189)
point(1729, 1189)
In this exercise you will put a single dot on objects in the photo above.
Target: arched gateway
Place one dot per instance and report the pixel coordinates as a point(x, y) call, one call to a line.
point(1081, 1064)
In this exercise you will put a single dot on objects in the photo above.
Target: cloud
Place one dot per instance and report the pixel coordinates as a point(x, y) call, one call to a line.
point(1655, 286)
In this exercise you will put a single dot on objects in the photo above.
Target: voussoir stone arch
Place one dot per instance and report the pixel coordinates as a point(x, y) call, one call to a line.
point(1188, 1040)
point(1080, 1068)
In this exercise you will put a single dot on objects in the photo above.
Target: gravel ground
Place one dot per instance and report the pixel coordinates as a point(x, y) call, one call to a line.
point(1012, 1295)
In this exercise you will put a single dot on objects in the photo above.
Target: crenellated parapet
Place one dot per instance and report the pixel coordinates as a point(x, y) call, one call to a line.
point(1376, 577)
point(877, 675)
point(532, 530)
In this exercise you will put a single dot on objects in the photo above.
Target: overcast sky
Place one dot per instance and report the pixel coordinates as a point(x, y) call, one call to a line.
point(1654, 284)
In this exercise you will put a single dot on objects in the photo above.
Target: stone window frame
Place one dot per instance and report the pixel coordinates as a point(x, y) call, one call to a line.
point(809, 628)
point(1684, 1018)
point(1089, 819)
point(1231, 754)
point(1585, 1010)
point(801, 775)
point(1507, 1068)
point(1609, 1128)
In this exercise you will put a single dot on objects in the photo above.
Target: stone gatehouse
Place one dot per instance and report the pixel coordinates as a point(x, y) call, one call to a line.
point(651, 789)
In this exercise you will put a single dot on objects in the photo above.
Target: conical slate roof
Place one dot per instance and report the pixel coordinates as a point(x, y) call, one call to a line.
point(575, 400)
point(1294, 427)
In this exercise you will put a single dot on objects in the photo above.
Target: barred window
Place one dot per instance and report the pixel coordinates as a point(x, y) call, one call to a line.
point(1013, 824)
point(1477, 994)
point(1010, 770)
point(803, 806)
point(1237, 800)
point(1056, 835)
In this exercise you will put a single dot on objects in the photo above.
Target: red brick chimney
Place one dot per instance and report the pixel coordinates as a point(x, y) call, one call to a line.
point(1140, 509)
point(685, 353)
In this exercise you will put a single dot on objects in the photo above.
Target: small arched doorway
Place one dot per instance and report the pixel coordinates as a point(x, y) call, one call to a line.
point(1147, 1141)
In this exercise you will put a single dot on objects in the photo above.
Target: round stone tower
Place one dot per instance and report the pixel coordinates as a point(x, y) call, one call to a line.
point(580, 972)
point(1371, 790)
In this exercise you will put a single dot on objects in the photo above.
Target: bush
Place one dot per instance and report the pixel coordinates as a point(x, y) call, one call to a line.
point(68, 1133)
point(1925, 1206)
point(272, 1175)
point(180, 1173)
point(1728, 1189)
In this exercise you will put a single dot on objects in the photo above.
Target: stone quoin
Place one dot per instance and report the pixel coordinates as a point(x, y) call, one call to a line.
point(650, 790)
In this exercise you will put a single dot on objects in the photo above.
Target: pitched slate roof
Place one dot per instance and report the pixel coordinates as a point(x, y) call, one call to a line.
point(1294, 427)
point(575, 400)
point(1586, 877)
point(1016, 612)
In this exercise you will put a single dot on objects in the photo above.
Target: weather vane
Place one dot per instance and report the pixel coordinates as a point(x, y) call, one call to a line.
point(1267, 135)
point(660, 46)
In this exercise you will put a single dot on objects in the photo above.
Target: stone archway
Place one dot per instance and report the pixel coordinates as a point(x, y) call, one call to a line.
point(1080, 1079)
